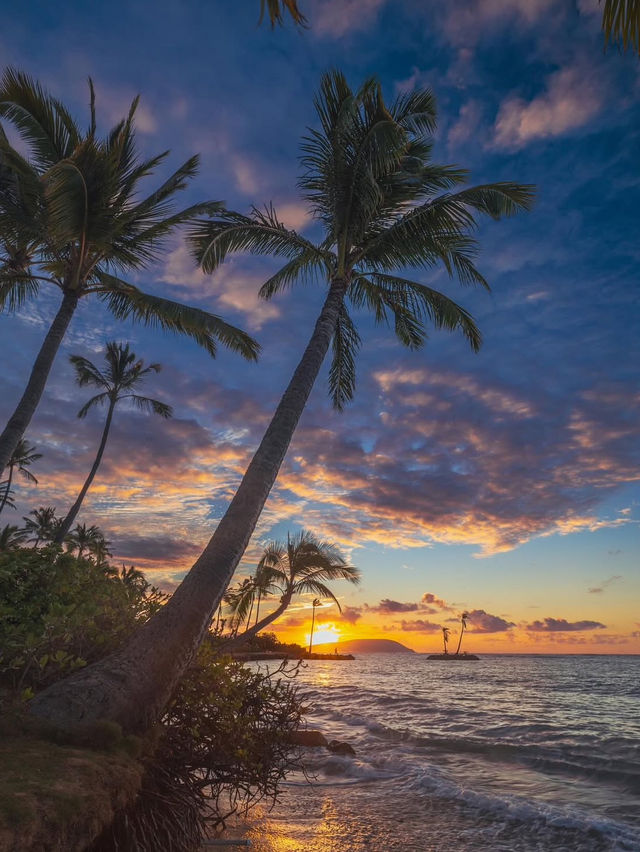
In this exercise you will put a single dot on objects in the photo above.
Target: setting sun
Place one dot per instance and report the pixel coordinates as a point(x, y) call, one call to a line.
point(324, 633)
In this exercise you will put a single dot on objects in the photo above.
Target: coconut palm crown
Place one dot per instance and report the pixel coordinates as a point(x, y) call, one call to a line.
point(72, 216)
point(384, 206)
point(23, 456)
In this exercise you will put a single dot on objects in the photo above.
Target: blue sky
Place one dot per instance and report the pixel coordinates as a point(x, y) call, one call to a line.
point(504, 482)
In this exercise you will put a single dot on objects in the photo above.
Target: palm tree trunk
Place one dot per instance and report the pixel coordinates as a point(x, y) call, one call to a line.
point(65, 526)
point(5, 496)
point(313, 621)
point(133, 686)
point(21, 417)
point(460, 640)
point(258, 606)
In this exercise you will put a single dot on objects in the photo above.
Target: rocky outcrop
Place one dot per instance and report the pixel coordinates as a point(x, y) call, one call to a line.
point(309, 739)
point(341, 748)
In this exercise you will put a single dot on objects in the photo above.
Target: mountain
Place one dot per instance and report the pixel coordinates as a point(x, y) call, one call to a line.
point(364, 646)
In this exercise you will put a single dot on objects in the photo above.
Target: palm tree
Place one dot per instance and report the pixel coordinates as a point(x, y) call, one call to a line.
point(445, 638)
point(276, 9)
point(83, 538)
point(11, 537)
point(72, 217)
point(303, 565)
point(384, 206)
point(463, 624)
point(22, 458)
point(98, 548)
point(123, 372)
point(316, 603)
point(43, 526)
point(621, 23)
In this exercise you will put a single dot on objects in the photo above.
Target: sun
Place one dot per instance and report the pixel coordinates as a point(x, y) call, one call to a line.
point(324, 634)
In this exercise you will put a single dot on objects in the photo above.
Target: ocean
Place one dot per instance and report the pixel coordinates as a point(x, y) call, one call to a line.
point(514, 753)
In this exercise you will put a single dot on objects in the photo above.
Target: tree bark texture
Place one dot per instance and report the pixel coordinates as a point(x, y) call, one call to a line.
point(133, 686)
point(21, 417)
point(65, 526)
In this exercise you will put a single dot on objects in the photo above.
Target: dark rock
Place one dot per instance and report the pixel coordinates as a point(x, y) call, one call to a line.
point(340, 748)
point(450, 658)
point(308, 738)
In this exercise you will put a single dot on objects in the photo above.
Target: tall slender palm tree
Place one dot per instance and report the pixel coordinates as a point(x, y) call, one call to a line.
point(384, 206)
point(316, 603)
point(463, 624)
point(22, 458)
point(72, 217)
point(302, 565)
point(123, 372)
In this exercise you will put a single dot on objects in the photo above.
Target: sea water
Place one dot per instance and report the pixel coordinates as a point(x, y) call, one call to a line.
point(515, 753)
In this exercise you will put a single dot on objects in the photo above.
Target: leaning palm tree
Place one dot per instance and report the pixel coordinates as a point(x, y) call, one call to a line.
point(463, 624)
point(22, 458)
point(384, 206)
point(123, 372)
point(72, 217)
point(302, 565)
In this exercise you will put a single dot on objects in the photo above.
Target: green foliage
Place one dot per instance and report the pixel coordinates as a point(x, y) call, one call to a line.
point(225, 744)
point(58, 613)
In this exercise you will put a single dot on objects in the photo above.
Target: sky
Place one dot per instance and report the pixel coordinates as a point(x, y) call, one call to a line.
point(504, 483)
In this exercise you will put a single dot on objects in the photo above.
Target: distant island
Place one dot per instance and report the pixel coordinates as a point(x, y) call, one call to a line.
point(453, 657)
point(364, 646)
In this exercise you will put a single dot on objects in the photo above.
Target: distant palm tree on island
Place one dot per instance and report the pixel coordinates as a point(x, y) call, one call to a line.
point(445, 638)
point(124, 370)
point(71, 217)
point(384, 206)
point(463, 624)
point(316, 603)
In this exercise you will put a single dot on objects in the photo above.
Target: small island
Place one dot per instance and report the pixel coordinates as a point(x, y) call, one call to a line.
point(445, 639)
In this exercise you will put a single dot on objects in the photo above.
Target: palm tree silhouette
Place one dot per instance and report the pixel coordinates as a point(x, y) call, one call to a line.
point(445, 638)
point(71, 216)
point(463, 624)
point(304, 565)
point(383, 205)
point(11, 536)
point(276, 9)
point(22, 458)
point(42, 526)
point(316, 603)
point(123, 372)
point(84, 538)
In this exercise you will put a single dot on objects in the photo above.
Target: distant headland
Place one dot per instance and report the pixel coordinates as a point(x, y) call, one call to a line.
point(364, 646)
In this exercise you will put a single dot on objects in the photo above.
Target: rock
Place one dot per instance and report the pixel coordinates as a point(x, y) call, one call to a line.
point(308, 738)
point(340, 748)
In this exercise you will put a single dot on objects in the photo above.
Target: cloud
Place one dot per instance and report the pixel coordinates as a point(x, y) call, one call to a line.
point(561, 625)
point(387, 606)
point(429, 598)
point(350, 614)
point(418, 626)
point(598, 590)
point(483, 622)
point(467, 125)
point(466, 20)
point(337, 18)
point(573, 97)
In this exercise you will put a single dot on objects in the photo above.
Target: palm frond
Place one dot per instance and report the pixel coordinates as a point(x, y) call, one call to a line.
point(127, 302)
point(621, 23)
point(260, 233)
point(342, 373)
point(16, 289)
point(150, 406)
point(306, 267)
point(87, 373)
point(276, 9)
point(99, 399)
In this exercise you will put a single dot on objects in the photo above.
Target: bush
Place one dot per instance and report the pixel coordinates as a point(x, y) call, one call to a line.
point(58, 613)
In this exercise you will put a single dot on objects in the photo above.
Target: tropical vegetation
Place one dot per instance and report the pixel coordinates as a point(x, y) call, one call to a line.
point(123, 372)
point(71, 217)
point(385, 207)
point(23, 456)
